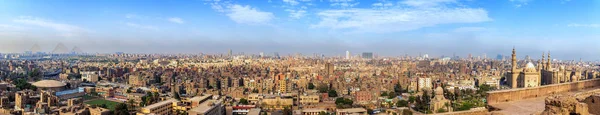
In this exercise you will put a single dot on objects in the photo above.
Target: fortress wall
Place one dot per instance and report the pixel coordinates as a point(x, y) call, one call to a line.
point(546, 90)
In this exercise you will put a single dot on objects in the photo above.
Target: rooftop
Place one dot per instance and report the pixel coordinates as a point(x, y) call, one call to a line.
point(352, 110)
point(169, 101)
point(49, 84)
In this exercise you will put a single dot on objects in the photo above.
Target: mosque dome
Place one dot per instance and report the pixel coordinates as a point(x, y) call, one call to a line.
point(530, 67)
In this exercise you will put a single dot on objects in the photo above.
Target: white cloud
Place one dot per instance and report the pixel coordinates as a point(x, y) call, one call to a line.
point(65, 29)
point(426, 3)
point(469, 29)
point(291, 2)
point(584, 25)
point(248, 15)
point(343, 3)
point(520, 3)
point(296, 14)
point(398, 19)
point(4, 27)
point(218, 5)
point(176, 20)
point(296, 8)
point(147, 27)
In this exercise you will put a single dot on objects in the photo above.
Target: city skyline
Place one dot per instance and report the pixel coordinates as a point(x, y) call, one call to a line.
point(566, 28)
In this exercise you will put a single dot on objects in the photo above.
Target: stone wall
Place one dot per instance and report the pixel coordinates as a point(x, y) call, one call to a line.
point(533, 92)
point(472, 111)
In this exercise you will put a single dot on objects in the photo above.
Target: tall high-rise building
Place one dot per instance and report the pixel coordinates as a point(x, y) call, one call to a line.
point(347, 54)
point(367, 55)
point(329, 67)
point(230, 53)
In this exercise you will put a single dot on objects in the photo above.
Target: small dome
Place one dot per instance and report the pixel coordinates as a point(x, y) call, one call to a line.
point(530, 65)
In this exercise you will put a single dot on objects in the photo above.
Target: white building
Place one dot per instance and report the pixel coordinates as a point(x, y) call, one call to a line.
point(348, 55)
point(424, 83)
point(91, 76)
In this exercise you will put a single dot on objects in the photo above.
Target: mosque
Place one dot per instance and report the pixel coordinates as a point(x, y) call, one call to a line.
point(526, 77)
point(543, 74)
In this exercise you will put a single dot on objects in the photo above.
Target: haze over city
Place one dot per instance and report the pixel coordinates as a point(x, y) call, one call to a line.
point(568, 28)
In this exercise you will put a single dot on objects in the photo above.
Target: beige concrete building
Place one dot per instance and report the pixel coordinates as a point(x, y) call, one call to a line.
point(99, 111)
point(277, 103)
point(160, 108)
point(254, 98)
point(312, 111)
point(352, 111)
point(309, 99)
point(209, 107)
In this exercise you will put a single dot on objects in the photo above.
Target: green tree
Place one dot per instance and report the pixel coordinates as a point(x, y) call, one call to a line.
point(323, 88)
point(441, 110)
point(23, 84)
point(332, 93)
point(311, 86)
point(392, 95)
point(398, 88)
point(384, 94)
point(121, 109)
point(343, 102)
point(411, 99)
point(402, 103)
point(287, 111)
point(323, 113)
point(244, 101)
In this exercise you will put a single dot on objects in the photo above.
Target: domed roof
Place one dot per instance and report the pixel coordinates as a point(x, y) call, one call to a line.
point(49, 84)
point(439, 91)
point(530, 65)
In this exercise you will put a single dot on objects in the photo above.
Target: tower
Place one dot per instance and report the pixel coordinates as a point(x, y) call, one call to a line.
point(514, 60)
point(549, 64)
point(230, 53)
point(347, 54)
point(543, 59)
point(514, 74)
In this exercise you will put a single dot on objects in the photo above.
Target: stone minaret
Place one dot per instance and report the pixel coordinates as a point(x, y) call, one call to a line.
point(514, 60)
point(515, 74)
point(549, 64)
point(543, 59)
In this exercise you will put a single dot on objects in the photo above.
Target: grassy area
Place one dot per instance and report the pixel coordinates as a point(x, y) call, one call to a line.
point(99, 102)
point(87, 97)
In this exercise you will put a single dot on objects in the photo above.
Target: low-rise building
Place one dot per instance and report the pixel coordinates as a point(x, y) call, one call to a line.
point(309, 99)
point(351, 111)
point(160, 108)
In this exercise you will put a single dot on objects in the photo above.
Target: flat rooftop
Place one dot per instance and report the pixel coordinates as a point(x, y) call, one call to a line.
point(169, 101)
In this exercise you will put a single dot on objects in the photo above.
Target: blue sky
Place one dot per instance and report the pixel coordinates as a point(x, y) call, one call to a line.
point(570, 29)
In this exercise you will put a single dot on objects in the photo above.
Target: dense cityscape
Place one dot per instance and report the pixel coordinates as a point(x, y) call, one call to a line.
point(299, 57)
point(75, 83)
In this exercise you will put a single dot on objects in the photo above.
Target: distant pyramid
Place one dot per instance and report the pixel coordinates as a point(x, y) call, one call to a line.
point(76, 50)
point(60, 49)
point(35, 48)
